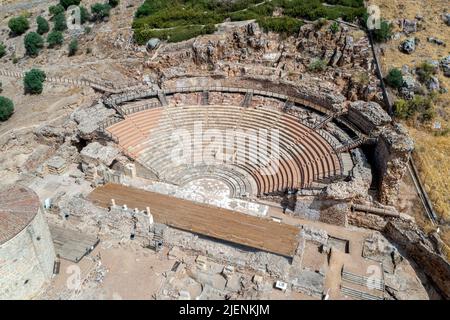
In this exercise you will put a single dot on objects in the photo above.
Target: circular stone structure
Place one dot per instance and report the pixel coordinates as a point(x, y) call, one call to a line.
point(27, 253)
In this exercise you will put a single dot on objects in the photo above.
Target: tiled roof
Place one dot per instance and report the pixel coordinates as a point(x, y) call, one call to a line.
point(18, 206)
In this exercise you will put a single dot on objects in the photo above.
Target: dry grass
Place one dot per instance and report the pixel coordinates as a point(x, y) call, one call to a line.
point(433, 151)
point(432, 154)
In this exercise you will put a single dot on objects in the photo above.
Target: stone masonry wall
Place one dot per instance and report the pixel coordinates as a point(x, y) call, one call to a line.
point(26, 262)
point(392, 154)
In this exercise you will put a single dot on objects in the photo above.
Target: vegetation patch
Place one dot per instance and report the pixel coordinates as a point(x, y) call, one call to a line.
point(6, 108)
point(172, 18)
point(34, 81)
point(33, 44)
point(394, 78)
point(55, 38)
point(18, 25)
point(2, 49)
point(420, 107)
point(42, 25)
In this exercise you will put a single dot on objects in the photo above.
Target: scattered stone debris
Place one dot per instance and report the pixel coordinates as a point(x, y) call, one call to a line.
point(445, 64)
point(408, 46)
point(446, 18)
point(409, 26)
point(436, 41)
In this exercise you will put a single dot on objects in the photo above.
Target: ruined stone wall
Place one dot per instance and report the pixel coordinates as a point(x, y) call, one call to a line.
point(367, 116)
point(328, 211)
point(189, 99)
point(27, 261)
point(259, 101)
point(392, 153)
point(366, 220)
point(420, 249)
point(219, 98)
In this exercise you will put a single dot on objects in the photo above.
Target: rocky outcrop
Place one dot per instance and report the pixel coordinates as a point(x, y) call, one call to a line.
point(392, 153)
point(368, 116)
point(408, 46)
point(88, 120)
point(445, 64)
point(356, 188)
point(245, 51)
point(97, 154)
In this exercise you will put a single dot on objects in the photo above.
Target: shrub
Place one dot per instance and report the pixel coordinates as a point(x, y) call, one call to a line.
point(33, 44)
point(42, 25)
point(425, 71)
point(33, 81)
point(334, 28)
point(113, 3)
point(317, 65)
point(6, 108)
point(59, 22)
point(1, 87)
point(424, 105)
point(67, 3)
point(55, 38)
point(85, 16)
point(2, 49)
point(394, 78)
point(55, 10)
point(73, 47)
point(87, 30)
point(402, 109)
point(18, 25)
point(100, 11)
point(384, 33)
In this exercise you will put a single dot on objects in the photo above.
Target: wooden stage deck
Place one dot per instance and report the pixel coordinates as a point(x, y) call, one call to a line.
point(223, 224)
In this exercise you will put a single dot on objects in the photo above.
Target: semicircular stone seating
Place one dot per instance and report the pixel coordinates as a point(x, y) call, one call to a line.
point(228, 143)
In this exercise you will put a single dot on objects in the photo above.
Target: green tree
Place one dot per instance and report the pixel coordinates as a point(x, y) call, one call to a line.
point(6, 108)
point(55, 38)
point(59, 22)
point(18, 25)
point(42, 25)
point(33, 43)
point(100, 11)
point(394, 78)
point(34, 81)
point(68, 3)
point(384, 33)
point(73, 47)
point(55, 10)
point(2, 49)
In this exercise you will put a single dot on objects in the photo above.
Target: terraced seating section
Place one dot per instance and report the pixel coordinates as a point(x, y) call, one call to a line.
point(304, 154)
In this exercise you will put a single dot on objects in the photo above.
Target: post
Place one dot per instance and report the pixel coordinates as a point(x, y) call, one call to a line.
point(150, 216)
